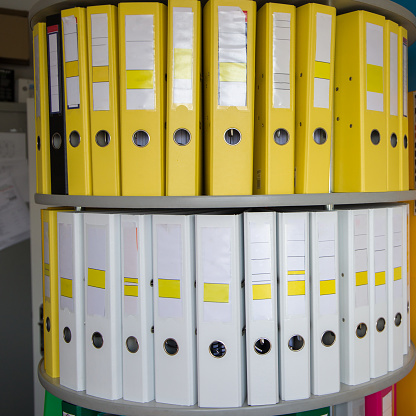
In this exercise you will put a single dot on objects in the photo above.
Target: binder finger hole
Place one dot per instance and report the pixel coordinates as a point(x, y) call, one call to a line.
point(102, 138)
point(97, 340)
point(405, 141)
point(393, 140)
point(56, 141)
point(296, 343)
point(361, 330)
point(48, 324)
point(281, 136)
point(170, 346)
point(74, 138)
point(217, 349)
point(262, 346)
point(181, 137)
point(38, 143)
point(319, 136)
point(132, 345)
point(375, 137)
point(67, 335)
point(141, 138)
point(381, 324)
point(232, 137)
point(398, 319)
point(328, 338)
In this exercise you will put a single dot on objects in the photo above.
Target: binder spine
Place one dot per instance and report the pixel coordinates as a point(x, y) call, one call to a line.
point(57, 145)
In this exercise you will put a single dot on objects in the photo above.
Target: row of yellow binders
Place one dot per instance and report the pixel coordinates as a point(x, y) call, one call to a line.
point(271, 305)
point(307, 102)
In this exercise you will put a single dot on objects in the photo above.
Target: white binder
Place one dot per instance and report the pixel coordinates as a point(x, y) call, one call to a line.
point(395, 283)
point(353, 408)
point(71, 300)
point(325, 343)
point(354, 296)
point(220, 311)
point(406, 281)
point(174, 309)
point(137, 308)
point(261, 308)
point(377, 272)
point(103, 305)
point(293, 289)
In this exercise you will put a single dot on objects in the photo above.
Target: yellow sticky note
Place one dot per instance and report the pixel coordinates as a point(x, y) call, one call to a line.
point(66, 287)
point(327, 287)
point(397, 273)
point(380, 278)
point(182, 63)
point(131, 280)
point(322, 70)
point(100, 74)
point(375, 78)
point(361, 278)
point(46, 269)
point(96, 278)
point(233, 72)
point(216, 292)
point(262, 291)
point(71, 69)
point(296, 288)
point(169, 288)
point(139, 80)
point(295, 272)
point(131, 290)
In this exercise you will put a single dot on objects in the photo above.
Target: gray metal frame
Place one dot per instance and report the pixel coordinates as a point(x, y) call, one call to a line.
point(126, 408)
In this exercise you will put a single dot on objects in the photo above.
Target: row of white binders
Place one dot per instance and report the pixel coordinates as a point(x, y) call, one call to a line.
point(270, 102)
point(278, 305)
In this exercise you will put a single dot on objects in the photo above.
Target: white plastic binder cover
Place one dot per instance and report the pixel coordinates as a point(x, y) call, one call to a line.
point(137, 308)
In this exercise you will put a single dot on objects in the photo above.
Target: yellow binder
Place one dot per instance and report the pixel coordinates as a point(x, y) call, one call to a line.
point(404, 124)
point(274, 109)
point(315, 42)
point(43, 169)
point(103, 90)
point(412, 134)
point(77, 112)
point(50, 291)
point(229, 45)
point(142, 97)
point(184, 107)
point(393, 71)
point(360, 115)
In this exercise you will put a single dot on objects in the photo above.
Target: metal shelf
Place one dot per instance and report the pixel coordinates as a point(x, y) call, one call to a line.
point(208, 202)
point(390, 9)
point(126, 408)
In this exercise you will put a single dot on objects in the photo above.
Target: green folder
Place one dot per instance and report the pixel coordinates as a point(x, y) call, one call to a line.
point(73, 410)
point(326, 411)
point(52, 406)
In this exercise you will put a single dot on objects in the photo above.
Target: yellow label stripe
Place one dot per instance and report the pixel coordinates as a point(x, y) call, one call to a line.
point(100, 74)
point(261, 292)
point(295, 272)
point(46, 267)
point(380, 278)
point(131, 280)
point(66, 287)
point(397, 273)
point(139, 79)
point(71, 69)
point(131, 290)
point(322, 70)
point(183, 63)
point(361, 278)
point(296, 288)
point(233, 72)
point(96, 278)
point(327, 287)
point(169, 288)
point(375, 78)
point(216, 292)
